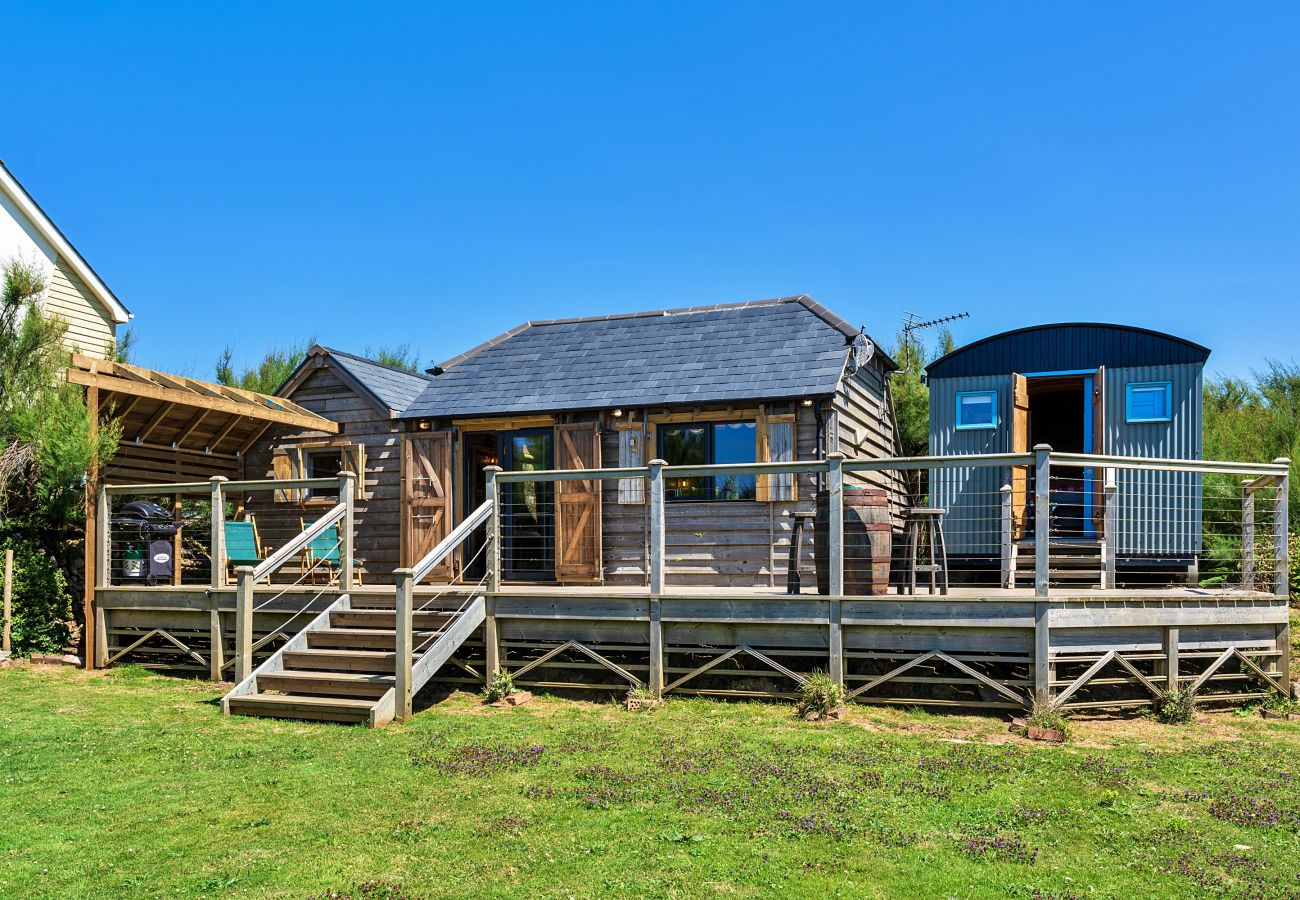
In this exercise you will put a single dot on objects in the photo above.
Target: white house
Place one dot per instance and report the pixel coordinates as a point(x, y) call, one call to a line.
point(73, 290)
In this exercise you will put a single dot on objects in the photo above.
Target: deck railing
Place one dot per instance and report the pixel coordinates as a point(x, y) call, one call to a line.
point(1042, 520)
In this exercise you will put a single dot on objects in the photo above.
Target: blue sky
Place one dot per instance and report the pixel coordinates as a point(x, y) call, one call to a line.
point(252, 174)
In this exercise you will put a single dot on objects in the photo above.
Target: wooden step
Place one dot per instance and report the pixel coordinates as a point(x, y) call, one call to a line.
point(378, 662)
point(327, 684)
point(361, 638)
point(282, 706)
point(447, 604)
point(386, 619)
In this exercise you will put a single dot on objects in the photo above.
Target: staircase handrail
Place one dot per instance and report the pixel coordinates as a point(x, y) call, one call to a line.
point(450, 542)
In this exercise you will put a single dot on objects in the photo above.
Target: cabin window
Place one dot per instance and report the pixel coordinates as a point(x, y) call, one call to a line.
point(977, 409)
point(1148, 401)
point(709, 443)
point(326, 463)
point(776, 439)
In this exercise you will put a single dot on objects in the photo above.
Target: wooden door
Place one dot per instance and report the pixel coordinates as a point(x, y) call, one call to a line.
point(577, 504)
point(426, 492)
point(1019, 444)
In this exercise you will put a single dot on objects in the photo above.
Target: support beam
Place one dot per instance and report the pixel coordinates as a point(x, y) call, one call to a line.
point(217, 535)
point(1281, 536)
point(90, 540)
point(491, 633)
point(1008, 544)
point(216, 641)
point(1171, 658)
point(243, 623)
point(402, 706)
point(1042, 518)
point(348, 494)
point(835, 525)
point(1109, 530)
point(657, 526)
point(1247, 534)
point(1042, 654)
point(656, 684)
point(5, 644)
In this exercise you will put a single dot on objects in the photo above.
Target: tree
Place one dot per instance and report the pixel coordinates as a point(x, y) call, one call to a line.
point(46, 449)
point(399, 357)
point(266, 376)
point(912, 395)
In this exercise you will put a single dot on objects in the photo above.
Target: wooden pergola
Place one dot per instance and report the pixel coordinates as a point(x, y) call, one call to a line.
point(174, 429)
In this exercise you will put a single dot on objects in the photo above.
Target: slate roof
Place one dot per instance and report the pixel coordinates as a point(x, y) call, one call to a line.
point(394, 387)
point(787, 348)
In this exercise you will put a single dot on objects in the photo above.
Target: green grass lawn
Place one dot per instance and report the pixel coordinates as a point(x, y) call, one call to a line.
point(128, 784)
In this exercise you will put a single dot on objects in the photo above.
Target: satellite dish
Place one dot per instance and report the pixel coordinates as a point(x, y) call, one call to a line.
point(863, 351)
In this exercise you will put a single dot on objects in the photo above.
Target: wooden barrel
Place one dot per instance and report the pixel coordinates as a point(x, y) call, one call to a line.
point(868, 541)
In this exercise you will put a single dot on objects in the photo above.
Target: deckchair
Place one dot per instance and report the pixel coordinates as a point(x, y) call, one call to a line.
point(326, 551)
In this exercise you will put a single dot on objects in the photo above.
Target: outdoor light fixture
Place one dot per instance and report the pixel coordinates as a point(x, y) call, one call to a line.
point(422, 425)
point(807, 402)
point(618, 413)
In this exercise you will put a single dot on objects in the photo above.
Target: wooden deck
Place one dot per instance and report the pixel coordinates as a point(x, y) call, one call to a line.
point(988, 648)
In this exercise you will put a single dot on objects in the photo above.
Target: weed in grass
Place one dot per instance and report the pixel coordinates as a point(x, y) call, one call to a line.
point(499, 686)
point(368, 890)
point(819, 695)
point(482, 759)
point(1007, 848)
point(1176, 707)
point(1251, 811)
point(1105, 773)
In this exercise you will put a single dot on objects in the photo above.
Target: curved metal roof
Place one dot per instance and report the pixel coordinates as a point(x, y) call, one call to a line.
point(1066, 346)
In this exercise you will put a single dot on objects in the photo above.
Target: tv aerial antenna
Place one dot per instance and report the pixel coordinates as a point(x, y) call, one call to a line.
point(912, 323)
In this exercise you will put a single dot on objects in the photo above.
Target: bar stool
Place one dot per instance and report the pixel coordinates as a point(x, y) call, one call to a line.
point(930, 521)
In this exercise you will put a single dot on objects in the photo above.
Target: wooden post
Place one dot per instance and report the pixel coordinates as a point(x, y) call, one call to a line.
point(91, 575)
point(347, 494)
point(657, 526)
point(835, 557)
point(405, 616)
point(1171, 657)
point(656, 684)
point(1247, 535)
point(1109, 530)
point(1008, 544)
point(5, 645)
point(1042, 654)
point(101, 636)
point(1042, 518)
point(216, 640)
point(491, 635)
point(217, 537)
point(1281, 574)
point(243, 623)
point(177, 540)
point(104, 540)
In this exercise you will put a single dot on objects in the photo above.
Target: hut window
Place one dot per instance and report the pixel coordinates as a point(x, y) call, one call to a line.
point(977, 409)
point(1148, 401)
point(708, 443)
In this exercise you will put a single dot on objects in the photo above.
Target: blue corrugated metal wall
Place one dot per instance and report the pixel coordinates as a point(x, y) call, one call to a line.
point(973, 525)
point(1161, 512)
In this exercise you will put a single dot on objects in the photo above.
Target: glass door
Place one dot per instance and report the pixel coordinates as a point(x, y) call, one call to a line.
point(528, 507)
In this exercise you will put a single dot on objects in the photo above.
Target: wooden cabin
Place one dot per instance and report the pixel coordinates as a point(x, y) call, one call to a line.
point(781, 379)
point(365, 398)
point(73, 291)
point(1081, 388)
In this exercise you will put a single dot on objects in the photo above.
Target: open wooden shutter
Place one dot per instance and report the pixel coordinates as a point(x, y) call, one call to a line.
point(426, 476)
point(1099, 447)
point(354, 460)
point(286, 464)
point(577, 504)
point(1019, 444)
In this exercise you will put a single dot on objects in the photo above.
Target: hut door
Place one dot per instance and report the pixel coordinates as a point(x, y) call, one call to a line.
point(1019, 444)
point(426, 486)
point(577, 506)
point(1098, 446)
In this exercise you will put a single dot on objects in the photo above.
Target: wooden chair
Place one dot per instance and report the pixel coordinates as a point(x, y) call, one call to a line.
point(326, 550)
point(243, 547)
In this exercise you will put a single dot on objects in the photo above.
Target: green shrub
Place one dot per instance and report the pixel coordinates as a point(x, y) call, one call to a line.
point(500, 686)
point(42, 604)
point(1177, 707)
point(820, 694)
point(1043, 715)
point(1279, 704)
